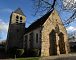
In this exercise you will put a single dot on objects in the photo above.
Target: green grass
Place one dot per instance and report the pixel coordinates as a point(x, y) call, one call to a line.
point(33, 58)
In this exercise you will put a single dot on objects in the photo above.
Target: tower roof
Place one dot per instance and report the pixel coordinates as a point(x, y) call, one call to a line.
point(19, 11)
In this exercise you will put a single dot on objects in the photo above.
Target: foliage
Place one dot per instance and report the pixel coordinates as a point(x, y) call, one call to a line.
point(32, 52)
point(19, 52)
point(14, 52)
point(36, 52)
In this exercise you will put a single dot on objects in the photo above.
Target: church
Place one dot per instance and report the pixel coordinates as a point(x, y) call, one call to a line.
point(47, 34)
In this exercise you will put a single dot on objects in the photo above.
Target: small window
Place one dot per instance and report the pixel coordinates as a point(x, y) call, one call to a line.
point(20, 18)
point(36, 37)
point(31, 40)
point(17, 17)
point(16, 21)
point(26, 41)
point(31, 36)
point(26, 38)
point(20, 21)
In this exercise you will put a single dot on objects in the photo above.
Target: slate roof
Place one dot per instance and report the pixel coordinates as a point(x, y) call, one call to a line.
point(19, 11)
point(39, 22)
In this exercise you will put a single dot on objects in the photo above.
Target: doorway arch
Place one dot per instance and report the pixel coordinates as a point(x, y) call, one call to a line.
point(52, 40)
point(61, 43)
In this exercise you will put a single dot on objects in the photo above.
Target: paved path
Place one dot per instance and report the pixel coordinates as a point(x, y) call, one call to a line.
point(61, 57)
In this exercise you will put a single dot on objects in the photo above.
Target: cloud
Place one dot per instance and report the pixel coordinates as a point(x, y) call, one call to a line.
point(3, 25)
point(6, 10)
point(71, 29)
point(3, 29)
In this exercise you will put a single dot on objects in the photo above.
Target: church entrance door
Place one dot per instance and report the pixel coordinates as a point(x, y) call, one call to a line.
point(53, 46)
point(61, 43)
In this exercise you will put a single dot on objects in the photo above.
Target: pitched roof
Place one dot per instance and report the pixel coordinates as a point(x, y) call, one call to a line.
point(19, 11)
point(39, 22)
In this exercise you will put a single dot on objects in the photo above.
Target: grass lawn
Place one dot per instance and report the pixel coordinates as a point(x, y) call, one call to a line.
point(31, 58)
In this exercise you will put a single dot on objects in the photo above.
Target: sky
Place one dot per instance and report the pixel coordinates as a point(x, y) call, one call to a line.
point(7, 6)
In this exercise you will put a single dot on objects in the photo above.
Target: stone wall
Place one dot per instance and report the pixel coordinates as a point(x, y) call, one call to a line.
point(35, 44)
point(15, 35)
point(48, 26)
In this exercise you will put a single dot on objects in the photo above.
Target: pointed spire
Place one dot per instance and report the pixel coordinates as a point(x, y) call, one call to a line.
point(19, 11)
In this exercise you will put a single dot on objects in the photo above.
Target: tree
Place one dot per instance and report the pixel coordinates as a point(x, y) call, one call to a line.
point(72, 35)
point(43, 6)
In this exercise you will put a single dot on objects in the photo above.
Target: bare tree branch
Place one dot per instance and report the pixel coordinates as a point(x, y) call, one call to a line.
point(45, 6)
point(71, 19)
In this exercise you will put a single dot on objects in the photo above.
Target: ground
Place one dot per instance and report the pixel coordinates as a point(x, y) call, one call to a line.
point(61, 57)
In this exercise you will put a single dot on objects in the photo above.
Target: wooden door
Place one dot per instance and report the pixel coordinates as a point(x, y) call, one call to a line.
point(61, 44)
point(53, 46)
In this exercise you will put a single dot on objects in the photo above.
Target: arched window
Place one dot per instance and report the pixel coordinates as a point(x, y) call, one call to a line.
point(20, 19)
point(36, 37)
point(17, 17)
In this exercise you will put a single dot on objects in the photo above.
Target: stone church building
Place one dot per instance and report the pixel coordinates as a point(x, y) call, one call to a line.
point(47, 34)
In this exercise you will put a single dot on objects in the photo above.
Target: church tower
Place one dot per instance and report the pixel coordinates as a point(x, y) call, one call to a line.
point(16, 29)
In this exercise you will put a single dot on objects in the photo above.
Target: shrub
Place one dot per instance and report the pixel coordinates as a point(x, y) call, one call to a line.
point(19, 52)
point(36, 52)
point(11, 52)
